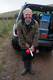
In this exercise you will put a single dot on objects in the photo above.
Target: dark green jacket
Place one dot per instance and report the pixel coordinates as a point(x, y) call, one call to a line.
point(29, 35)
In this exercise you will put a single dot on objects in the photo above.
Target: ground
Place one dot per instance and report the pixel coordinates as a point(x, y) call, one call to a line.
point(11, 64)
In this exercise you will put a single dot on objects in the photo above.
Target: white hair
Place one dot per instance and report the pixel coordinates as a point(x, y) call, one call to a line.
point(27, 9)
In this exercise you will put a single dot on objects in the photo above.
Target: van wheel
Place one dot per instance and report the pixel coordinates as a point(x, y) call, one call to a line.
point(49, 49)
point(14, 47)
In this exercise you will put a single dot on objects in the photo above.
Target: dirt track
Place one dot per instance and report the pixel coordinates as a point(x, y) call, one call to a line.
point(11, 64)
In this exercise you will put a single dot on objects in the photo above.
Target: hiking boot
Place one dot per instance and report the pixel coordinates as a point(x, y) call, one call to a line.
point(30, 68)
point(25, 67)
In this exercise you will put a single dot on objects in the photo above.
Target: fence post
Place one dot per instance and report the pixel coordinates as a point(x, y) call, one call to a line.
point(7, 21)
point(4, 24)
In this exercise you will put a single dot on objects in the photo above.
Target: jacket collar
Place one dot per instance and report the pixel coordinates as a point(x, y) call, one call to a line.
point(31, 24)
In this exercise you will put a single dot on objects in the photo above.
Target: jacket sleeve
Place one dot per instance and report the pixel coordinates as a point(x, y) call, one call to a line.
point(36, 35)
point(20, 35)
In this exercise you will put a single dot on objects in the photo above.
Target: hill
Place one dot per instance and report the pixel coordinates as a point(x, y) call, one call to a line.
point(9, 14)
point(50, 4)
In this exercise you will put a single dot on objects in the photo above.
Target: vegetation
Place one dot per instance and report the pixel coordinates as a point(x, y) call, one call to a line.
point(6, 25)
point(2, 69)
point(4, 29)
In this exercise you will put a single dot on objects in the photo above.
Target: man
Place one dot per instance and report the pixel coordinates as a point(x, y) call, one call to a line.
point(28, 33)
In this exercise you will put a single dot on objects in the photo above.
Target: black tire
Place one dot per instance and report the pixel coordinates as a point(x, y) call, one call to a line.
point(49, 49)
point(42, 50)
point(15, 45)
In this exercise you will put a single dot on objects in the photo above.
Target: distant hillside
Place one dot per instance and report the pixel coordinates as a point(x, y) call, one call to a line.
point(9, 14)
point(50, 4)
point(12, 13)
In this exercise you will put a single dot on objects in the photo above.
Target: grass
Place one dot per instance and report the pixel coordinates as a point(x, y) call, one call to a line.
point(4, 29)
point(3, 60)
point(8, 24)
point(2, 68)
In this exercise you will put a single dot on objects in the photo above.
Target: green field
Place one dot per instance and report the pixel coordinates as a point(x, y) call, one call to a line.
point(5, 29)
point(8, 26)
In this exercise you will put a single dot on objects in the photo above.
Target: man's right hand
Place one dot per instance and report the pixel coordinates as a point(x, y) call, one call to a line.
point(27, 45)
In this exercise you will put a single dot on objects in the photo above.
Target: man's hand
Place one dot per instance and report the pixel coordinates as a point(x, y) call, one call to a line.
point(27, 45)
point(32, 48)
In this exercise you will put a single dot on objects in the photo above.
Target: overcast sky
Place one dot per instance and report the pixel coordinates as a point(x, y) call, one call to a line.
point(11, 5)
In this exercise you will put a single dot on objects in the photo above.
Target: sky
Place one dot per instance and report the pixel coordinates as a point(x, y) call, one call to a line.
point(11, 5)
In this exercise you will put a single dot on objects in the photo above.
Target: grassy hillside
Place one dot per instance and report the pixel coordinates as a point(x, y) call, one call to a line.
point(50, 4)
point(9, 14)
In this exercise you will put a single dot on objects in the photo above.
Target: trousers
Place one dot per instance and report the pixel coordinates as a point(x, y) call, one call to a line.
point(26, 56)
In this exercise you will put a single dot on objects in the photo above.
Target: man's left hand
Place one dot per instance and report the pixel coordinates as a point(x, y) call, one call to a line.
point(32, 48)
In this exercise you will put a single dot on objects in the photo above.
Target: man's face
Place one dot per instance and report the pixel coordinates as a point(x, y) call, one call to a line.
point(27, 16)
